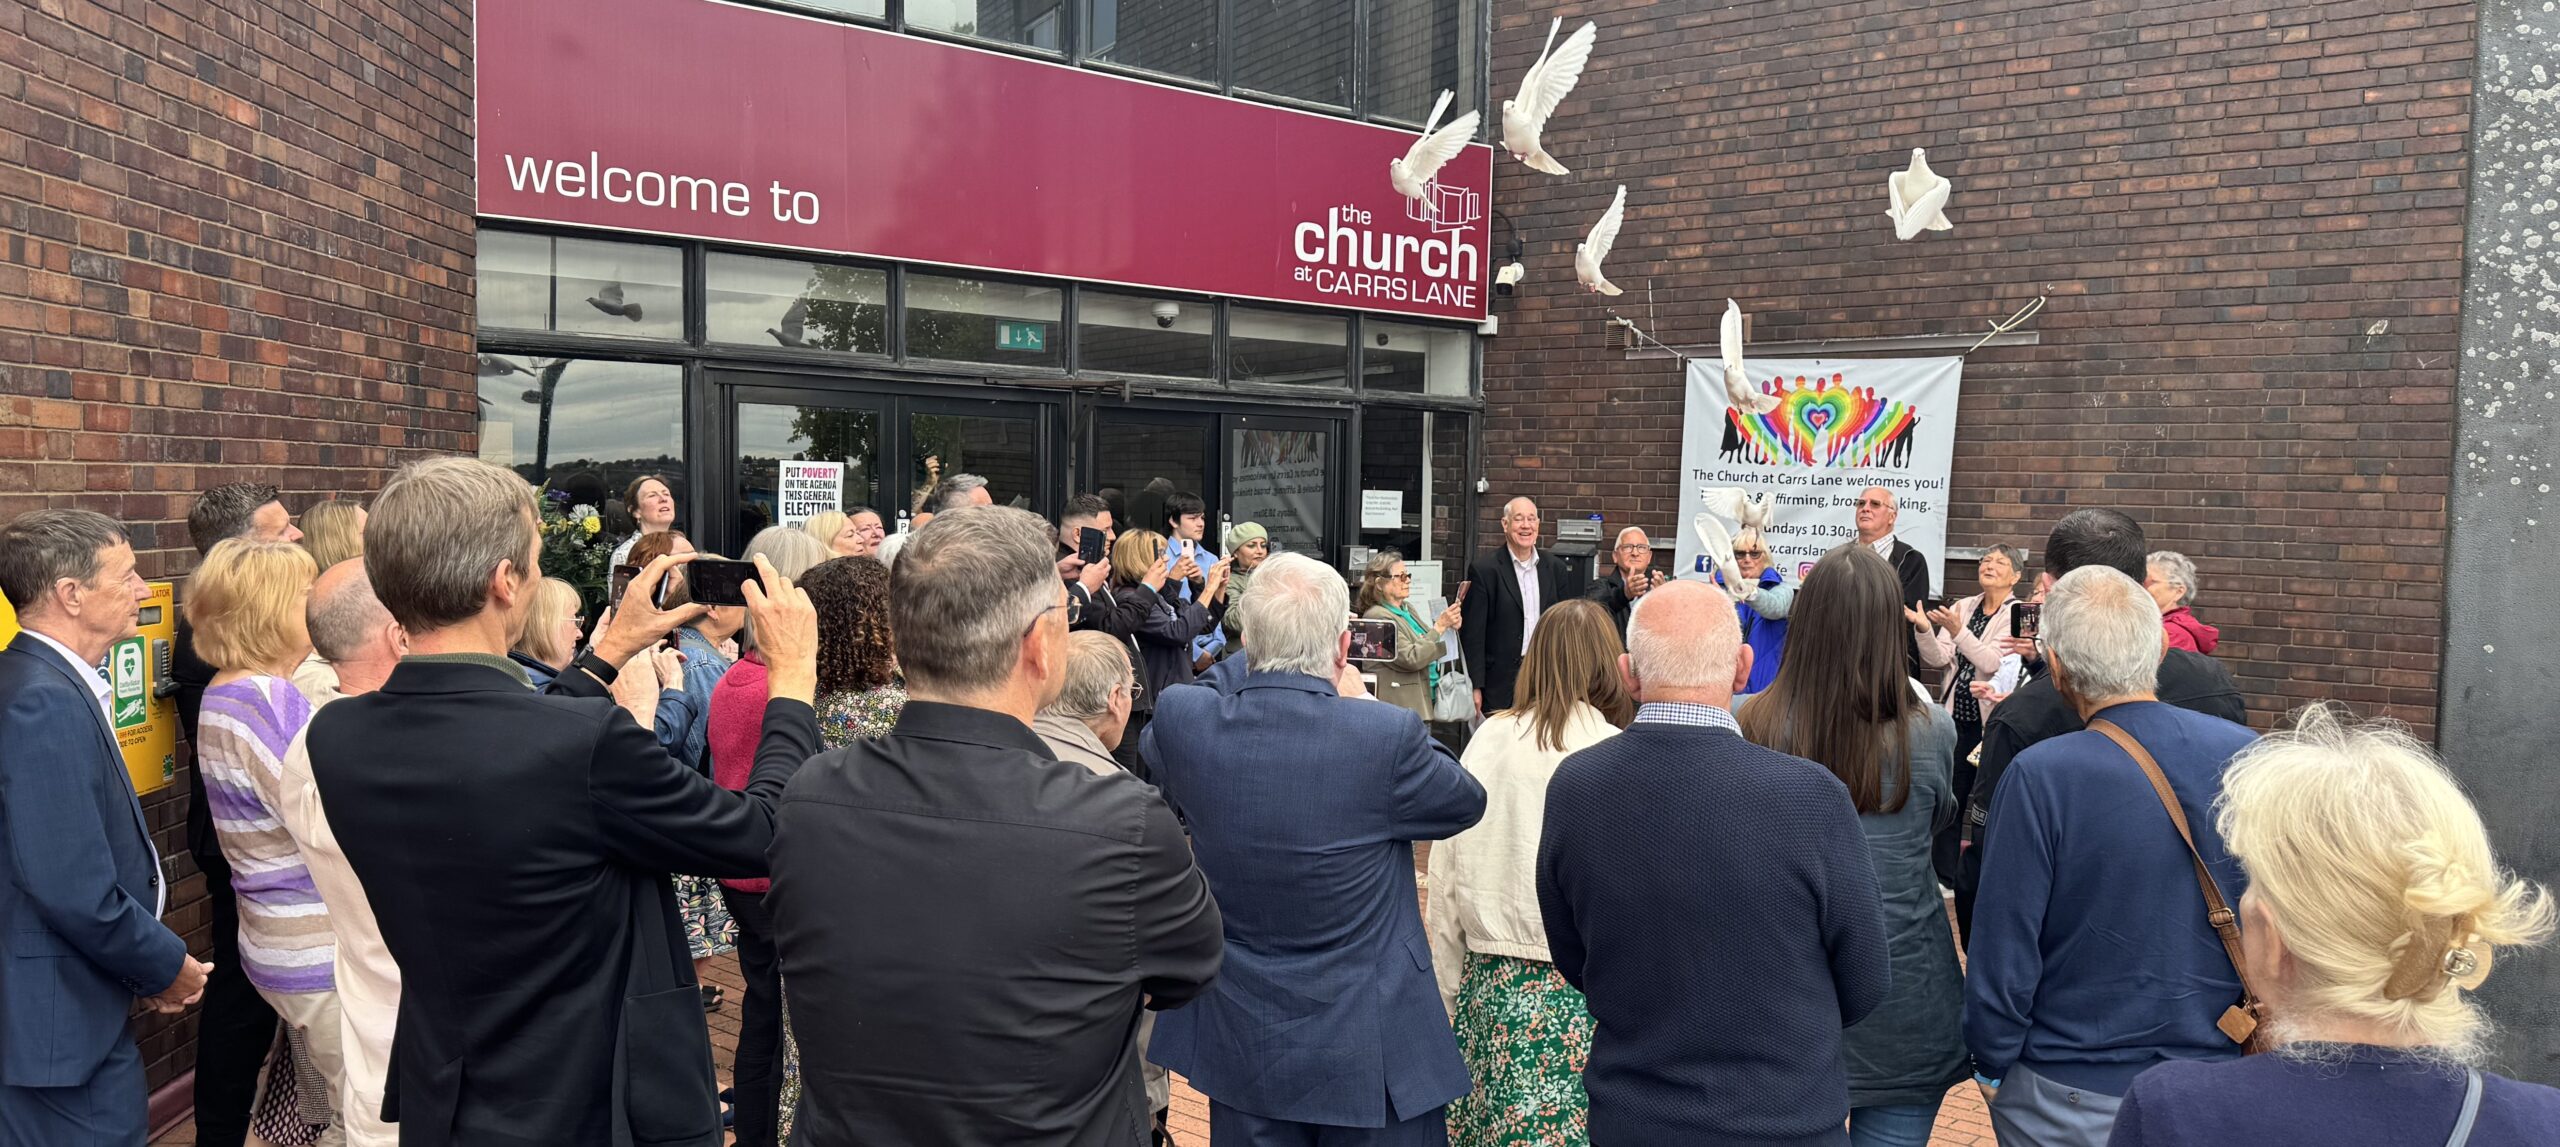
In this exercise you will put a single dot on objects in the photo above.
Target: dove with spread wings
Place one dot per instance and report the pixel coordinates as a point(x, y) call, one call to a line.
point(1437, 145)
point(1595, 246)
point(1549, 81)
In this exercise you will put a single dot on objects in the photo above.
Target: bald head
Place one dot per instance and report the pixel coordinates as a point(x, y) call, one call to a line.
point(1685, 644)
point(350, 629)
point(1520, 527)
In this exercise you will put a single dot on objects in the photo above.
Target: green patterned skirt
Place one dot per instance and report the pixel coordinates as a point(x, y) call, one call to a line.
point(1526, 1037)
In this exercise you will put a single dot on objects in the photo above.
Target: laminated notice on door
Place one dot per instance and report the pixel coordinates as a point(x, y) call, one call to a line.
point(808, 489)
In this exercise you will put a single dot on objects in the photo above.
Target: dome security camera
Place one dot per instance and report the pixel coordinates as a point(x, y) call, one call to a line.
point(1165, 313)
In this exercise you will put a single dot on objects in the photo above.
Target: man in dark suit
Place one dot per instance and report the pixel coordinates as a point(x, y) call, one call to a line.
point(235, 1027)
point(1878, 510)
point(1304, 796)
point(1632, 577)
point(968, 925)
point(80, 885)
point(516, 845)
point(1714, 902)
point(1506, 591)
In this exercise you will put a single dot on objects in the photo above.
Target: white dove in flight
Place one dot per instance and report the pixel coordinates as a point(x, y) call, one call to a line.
point(1437, 146)
point(1737, 384)
point(1919, 198)
point(1717, 546)
point(1595, 246)
point(1549, 81)
point(1752, 514)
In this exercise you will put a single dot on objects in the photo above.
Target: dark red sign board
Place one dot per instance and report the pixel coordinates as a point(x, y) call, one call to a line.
point(713, 121)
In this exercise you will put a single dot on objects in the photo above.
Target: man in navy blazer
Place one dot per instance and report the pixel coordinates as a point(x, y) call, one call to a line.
point(1303, 797)
point(80, 884)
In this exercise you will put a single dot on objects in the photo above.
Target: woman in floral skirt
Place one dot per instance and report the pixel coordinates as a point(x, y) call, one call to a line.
point(1524, 1032)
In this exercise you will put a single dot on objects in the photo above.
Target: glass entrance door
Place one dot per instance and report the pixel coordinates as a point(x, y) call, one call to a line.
point(1282, 472)
point(882, 446)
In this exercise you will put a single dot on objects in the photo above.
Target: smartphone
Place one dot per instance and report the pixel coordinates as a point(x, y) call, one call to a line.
point(1932, 604)
point(1462, 590)
point(1373, 639)
point(719, 581)
point(621, 582)
point(1089, 545)
point(2026, 619)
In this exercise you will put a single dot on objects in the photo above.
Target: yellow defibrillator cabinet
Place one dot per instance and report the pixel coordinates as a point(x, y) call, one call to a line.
point(142, 703)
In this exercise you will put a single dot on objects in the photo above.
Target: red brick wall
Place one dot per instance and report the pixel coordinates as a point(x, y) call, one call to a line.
point(235, 243)
point(2248, 216)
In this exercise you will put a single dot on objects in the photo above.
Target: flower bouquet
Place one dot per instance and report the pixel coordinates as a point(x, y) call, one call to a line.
point(574, 548)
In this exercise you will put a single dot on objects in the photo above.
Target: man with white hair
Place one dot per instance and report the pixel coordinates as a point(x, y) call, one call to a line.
point(1304, 797)
point(1634, 576)
point(1879, 509)
point(2093, 957)
point(1714, 902)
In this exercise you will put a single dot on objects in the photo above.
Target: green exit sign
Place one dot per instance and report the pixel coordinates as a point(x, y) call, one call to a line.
point(1022, 336)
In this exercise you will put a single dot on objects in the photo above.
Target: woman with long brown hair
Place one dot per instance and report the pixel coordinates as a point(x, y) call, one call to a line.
point(1524, 1032)
point(1845, 700)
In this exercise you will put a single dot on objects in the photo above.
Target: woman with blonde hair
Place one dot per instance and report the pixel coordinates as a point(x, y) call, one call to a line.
point(825, 525)
point(245, 606)
point(2374, 906)
point(333, 531)
point(551, 632)
point(1525, 1033)
point(1161, 645)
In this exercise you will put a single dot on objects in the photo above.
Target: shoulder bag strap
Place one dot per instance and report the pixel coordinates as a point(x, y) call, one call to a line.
point(2241, 1021)
point(2470, 1110)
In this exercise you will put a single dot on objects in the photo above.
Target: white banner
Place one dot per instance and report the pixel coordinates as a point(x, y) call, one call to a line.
point(808, 490)
point(1840, 427)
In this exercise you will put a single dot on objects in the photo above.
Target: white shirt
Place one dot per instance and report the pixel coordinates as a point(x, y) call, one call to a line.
point(98, 685)
point(1883, 547)
point(1527, 571)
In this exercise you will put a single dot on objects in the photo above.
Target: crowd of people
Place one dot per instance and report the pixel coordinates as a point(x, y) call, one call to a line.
point(1003, 836)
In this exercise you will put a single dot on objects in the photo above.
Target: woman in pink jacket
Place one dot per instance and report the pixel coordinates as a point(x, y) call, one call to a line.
point(2171, 578)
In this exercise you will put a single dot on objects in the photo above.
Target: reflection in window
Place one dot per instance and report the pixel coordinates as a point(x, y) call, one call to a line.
point(980, 320)
point(587, 426)
point(580, 286)
point(1422, 455)
point(1004, 451)
point(1411, 359)
point(785, 302)
point(1296, 48)
point(1135, 334)
point(1031, 23)
point(1280, 480)
point(769, 435)
point(1137, 464)
point(1420, 48)
point(1283, 346)
point(1174, 36)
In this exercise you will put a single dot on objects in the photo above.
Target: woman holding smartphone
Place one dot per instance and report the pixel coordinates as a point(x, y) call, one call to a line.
point(1140, 567)
point(1412, 677)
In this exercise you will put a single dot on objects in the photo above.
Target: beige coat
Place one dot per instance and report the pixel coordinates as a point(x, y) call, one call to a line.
point(1484, 881)
point(1405, 680)
point(368, 980)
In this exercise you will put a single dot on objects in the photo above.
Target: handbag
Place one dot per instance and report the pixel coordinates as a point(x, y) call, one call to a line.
point(2243, 1022)
point(1456, 700)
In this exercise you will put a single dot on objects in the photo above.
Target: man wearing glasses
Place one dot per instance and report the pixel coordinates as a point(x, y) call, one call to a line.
point(1503, 595)
point(1634, 577)
point(1877, 511)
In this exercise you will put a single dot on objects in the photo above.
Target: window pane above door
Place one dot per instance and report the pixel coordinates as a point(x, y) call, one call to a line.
point(1288, 347)
point(984, 320)
point(751, 301)
point(1139, 334)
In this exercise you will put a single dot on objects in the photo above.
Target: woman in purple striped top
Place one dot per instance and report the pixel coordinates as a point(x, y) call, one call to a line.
point(245, 604)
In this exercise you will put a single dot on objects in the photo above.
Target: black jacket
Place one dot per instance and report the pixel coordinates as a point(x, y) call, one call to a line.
point(1489, 635)
point(972, 925)
point(2037, 712)
point(515, 846)
point(1610, 593)
point(1913, 570)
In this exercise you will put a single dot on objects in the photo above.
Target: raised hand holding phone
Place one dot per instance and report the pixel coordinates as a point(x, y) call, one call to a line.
point(786, 627)
point(638, 623)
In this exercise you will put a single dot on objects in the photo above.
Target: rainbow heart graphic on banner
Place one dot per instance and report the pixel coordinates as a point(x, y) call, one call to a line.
point(1824, 422)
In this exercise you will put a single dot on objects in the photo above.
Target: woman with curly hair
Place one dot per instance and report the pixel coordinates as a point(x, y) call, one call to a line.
point(858, 692)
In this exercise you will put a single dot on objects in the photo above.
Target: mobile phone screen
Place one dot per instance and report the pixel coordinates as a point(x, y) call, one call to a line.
point(719, 581)
point(1373, 640)
point(622, 576)
point(2026, 619)
point(1089, 545)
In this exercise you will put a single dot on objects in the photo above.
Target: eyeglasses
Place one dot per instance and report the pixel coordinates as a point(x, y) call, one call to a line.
point(1874, 504)
point(1397, 577)
point(1035, 618)
point(1741, 554)
point(1635, 548)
